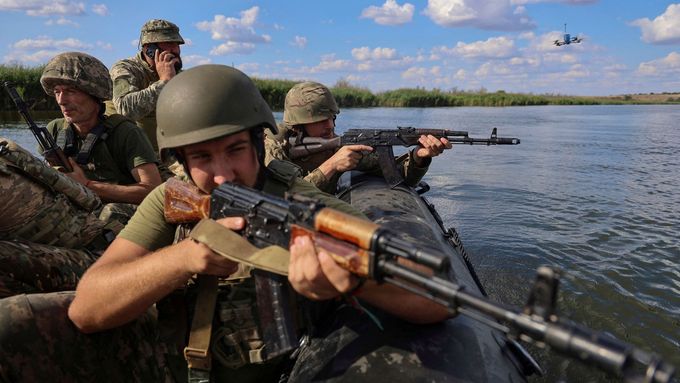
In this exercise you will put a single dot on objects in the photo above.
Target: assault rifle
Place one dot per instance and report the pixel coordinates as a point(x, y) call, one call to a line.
point(368, 250)
point(51, 151)
point(382, 140)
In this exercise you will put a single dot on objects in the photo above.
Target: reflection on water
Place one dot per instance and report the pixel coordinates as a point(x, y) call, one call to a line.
point(591, 189)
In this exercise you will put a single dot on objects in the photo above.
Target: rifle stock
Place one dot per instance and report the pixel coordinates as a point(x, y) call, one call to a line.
point(371, 251)
point(51, 151)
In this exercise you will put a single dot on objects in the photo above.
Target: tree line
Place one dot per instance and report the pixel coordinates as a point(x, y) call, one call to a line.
point(27, 81)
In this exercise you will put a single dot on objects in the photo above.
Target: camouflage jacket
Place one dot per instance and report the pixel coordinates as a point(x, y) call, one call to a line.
point(136, 87)
point(277, 147)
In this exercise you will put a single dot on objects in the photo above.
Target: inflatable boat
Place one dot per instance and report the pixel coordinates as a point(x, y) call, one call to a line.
point(460, 349)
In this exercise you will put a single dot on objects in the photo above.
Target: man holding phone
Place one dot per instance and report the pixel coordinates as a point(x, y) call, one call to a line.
point(138, 80)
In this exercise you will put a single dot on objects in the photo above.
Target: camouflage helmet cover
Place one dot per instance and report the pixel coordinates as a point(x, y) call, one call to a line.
point(79, 70)
point(160, 31)
point(208, 102)
point(309, 102)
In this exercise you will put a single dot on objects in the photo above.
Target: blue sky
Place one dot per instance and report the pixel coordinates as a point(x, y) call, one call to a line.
point(629, 46)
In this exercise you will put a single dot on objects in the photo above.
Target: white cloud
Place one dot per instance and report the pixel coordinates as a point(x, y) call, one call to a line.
point(104, 45)
point(497, 69)
point(391, 13)
point(489, 14)
point(42, 48)
point(669, 65)
point(299, 41)
point(577, 71)
point(664, 29)
point(525, 61)
point(100, 9)
point(493, 47)
point(193, 60)
point(248, 67)
point(461, 74)
point(62, 21)
point(239, 34)
point(41, 56)
point(44, 7)
point(44, 42)
point(414, 72)
point(331, 63)
point(365, 53)
point(232, 47)
point(571, 2)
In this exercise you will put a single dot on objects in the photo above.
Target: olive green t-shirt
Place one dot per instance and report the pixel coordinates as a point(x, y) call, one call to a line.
point(148, 228)
point(112, 159)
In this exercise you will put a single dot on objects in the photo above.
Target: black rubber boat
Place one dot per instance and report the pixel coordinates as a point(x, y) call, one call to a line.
point(459, 350)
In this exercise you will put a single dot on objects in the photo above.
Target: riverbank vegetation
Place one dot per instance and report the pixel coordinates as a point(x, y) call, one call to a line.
point(27, 80)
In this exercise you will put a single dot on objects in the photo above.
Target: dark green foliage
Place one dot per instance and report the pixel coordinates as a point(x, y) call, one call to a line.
point(274, 91)
point(27, 82)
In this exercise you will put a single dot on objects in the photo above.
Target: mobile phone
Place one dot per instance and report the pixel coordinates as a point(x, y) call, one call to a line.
point(150, 51)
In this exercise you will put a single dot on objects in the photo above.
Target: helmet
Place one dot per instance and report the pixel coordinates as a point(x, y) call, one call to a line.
point(207, 102)
point(79, 70)
point(309, 102)
point(160, 31)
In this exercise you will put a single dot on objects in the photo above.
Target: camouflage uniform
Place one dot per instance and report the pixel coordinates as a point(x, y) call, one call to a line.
point(118, 150)
point(50, 233)
point(140, 351)
point(277, 148)
point(136, 85)
point(310, 102)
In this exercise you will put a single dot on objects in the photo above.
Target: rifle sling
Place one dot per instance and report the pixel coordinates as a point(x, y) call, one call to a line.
point(196, 352)
point(236, 248)
point(231, 245)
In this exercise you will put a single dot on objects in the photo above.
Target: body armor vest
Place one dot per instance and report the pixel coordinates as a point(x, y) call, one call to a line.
point(236, 338)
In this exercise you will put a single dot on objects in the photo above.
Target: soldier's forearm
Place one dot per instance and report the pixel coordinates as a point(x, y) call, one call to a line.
point(136, 105)
point(121, 193)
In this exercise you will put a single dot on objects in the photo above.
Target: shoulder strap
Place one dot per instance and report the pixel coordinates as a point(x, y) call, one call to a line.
point(65, 138)
point(99, 132)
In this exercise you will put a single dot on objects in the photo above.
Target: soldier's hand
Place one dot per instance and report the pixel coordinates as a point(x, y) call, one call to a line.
point(347, 157)
point(317, 276)
point(165, 64)
point(77, 174)
point(200, 259)
point(431, 146)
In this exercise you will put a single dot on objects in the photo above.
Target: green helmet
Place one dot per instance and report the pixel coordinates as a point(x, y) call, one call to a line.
point(79, 70)
point(309, 102)
point(207, 102)
point(160, 31)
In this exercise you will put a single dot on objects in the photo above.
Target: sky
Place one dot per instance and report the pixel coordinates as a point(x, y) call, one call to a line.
point(628, 46)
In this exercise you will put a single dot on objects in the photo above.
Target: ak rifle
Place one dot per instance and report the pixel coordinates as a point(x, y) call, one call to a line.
point(370, 251)
point(382, 141)
point(51, 151)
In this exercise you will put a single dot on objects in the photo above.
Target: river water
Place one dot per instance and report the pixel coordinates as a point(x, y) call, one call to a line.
point(592, 190)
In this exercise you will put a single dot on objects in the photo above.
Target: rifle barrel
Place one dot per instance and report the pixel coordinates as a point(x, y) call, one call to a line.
point(594, 348)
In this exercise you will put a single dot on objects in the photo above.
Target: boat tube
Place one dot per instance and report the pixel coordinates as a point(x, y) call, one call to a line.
point(460, 349)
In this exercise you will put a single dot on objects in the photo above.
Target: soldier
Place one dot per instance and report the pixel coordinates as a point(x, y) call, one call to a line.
point(213, 118)
point(310, 110)
point(112, 155)
point(138, 80)
point(49, 232)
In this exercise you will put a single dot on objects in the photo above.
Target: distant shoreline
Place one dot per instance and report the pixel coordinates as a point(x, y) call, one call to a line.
point(27, 80)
